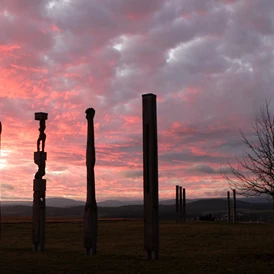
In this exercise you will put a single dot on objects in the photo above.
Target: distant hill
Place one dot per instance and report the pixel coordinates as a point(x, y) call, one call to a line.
point(53, 202)
point(206, 205)
point(217, 207)
point(16, 203)
point(65, 202)
point(117, 203)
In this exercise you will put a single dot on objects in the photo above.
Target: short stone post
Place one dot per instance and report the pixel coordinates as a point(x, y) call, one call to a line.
point(90, 214)
point(234, 207)
point(177, 204)
point(184, 205)
point(228, 207)
point(39, 187)
point(181, 205)
point(150, 173)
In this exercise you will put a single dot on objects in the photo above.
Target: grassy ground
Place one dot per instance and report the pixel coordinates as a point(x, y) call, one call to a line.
point(184, 248)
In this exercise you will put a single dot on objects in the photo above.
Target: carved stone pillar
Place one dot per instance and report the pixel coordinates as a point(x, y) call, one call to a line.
point(39, 188)
point(90, 215)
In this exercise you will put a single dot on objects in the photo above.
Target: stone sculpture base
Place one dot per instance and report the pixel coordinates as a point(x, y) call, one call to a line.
point(38, 215)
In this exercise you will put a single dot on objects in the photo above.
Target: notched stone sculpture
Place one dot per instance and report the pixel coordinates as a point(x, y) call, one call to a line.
point(39, 187)
point(90, 214)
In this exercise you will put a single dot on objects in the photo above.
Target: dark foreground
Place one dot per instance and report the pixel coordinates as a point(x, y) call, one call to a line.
point(184, 248)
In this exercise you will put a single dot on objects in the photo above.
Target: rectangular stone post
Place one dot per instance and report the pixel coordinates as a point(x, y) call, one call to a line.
point(39, 187)
point(228, 207)
point(181, 205)
point(184, 205)
point(234, 207)
point(177, 204)
point(150, 174)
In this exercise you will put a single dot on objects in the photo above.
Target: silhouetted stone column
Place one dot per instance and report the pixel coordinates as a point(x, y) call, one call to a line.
point(184, 205)
point(177, 204)
point(90, 215)
point(181, 205)
point(150, 173)
point(0, 192)
point(39, 187)
point(234, 206)
point(228, 207)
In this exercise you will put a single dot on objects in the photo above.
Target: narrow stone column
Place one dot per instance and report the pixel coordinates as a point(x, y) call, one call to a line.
point(228, 207)
point(177, 204)
point(234, 207)
point(181, 205)
point(90, 214)
point(0, 192)
point(39, 187)
point(150, 173)
point(184, 205)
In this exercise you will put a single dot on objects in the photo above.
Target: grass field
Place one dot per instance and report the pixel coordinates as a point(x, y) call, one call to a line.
point(184, 248)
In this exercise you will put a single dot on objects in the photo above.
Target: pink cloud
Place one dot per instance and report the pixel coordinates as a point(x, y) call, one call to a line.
point(209, 64)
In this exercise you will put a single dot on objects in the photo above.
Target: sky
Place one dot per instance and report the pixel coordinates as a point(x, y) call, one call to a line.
point(209, 62)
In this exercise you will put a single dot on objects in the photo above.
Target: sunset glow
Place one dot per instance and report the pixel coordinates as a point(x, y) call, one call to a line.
point(210, 63)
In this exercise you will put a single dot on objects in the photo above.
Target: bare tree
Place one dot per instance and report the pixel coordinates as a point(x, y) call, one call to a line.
point(254, 174)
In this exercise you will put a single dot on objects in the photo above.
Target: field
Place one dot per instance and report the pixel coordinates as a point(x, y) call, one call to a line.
point(184, 248)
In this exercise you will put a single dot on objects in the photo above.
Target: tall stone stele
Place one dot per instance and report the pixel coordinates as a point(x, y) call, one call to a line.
point(39, 187)
point(184, 205)
point(228, 206)
point(181, 204)
point(234, 212)
point(150, 173)
point(90, 215)
point(177, 203)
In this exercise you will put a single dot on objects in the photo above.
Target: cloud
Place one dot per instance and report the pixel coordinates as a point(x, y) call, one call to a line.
point(203, 169)
point(7, 186)
point(133, 173)
point(209, 62)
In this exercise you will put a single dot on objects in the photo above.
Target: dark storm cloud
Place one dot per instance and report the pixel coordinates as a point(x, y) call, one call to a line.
point(187, 156)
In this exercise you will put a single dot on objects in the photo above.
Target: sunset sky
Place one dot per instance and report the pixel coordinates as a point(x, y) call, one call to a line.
point(209, 62)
